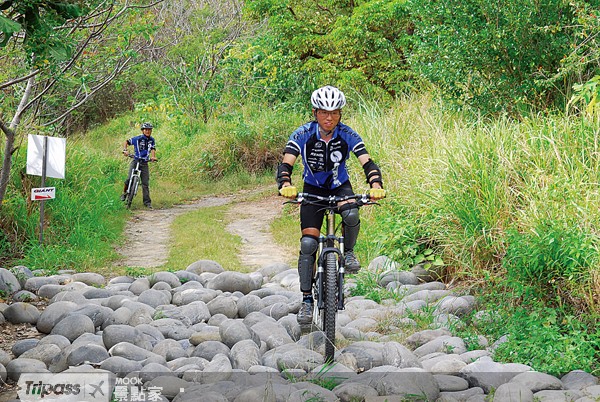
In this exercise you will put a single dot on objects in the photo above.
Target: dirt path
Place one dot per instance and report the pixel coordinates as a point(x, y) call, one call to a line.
point(251, 221)
point(148, 233)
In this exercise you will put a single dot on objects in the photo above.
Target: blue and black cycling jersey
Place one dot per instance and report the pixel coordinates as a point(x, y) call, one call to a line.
point(325, 162)
point(142, 146)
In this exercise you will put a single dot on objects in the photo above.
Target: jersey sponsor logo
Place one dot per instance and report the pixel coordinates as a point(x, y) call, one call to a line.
point(336, 157)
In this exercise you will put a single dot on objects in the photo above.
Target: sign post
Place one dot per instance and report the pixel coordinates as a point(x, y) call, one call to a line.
point(42, 202)
point(51, 152)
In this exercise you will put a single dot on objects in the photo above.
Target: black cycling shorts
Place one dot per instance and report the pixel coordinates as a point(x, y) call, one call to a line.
point(311, 216)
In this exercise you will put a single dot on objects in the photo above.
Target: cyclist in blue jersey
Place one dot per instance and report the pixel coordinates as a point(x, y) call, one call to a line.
point(144, 150)
point(324, 145)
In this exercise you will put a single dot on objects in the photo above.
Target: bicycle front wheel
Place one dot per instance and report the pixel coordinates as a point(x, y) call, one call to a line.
point(132, 190)
point(330, 307)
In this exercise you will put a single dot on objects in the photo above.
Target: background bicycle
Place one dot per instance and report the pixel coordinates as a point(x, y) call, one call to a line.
point(134, 182)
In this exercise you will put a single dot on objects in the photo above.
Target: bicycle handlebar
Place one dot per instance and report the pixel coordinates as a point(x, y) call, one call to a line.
point(132, 156)
point(332, 200)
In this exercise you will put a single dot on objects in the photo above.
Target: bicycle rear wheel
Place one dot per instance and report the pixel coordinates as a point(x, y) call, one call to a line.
point(330, 307)
point(132, 190)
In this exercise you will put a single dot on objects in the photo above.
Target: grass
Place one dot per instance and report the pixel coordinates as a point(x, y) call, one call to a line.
point(490, 197)
point(280, 227)
point(323, 378)
point(208, 240)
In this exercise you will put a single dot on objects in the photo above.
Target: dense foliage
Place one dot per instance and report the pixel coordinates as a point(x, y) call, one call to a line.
point(494, 55)
point(363, 45)
point(40, 22)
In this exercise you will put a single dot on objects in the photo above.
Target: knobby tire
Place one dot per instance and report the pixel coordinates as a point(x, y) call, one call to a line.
point(330, 310)
point(132, 190)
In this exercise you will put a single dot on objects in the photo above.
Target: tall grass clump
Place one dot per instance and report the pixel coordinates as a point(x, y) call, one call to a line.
point(553, 244)
point(17, 215)
point(510, 207)
point(478, 192)
point(248, 139)
point(409, 142)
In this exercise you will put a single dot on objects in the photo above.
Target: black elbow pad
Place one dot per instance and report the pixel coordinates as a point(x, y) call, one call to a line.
point(284, 174)
point(372, 173)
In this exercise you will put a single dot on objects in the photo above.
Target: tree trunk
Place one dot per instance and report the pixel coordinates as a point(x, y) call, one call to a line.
point(5, 173)
point(10, 133)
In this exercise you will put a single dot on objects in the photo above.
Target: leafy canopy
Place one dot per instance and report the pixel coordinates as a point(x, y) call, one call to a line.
point(360, 45)
point(494, 55)
point(37, 23)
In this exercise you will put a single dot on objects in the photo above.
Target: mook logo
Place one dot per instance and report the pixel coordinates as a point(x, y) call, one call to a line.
point(64, 387)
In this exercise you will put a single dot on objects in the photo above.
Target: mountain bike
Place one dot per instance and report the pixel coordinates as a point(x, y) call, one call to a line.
point(328, 283)
point(134, 182)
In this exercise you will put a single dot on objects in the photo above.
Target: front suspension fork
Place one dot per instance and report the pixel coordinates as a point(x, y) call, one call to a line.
point(341, 271)
point(320, 275)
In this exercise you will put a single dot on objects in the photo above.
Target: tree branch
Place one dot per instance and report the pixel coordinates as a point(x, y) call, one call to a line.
point(100, 12)
point(108, 20)
point(5, 129)
point(87, 96)
point(20, 79)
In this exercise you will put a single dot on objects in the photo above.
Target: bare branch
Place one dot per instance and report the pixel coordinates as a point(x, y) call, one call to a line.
point(101, 27)
point(107, 80)
point(7, 131)
point(20, 79)
point(21, 108)
point(80, 23)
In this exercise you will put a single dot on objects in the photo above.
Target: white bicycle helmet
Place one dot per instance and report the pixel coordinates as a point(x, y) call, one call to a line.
point(328, 98)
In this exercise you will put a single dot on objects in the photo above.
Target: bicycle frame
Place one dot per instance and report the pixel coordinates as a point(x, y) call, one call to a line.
point(328, 284)
point(327, 244)
point(134, 182)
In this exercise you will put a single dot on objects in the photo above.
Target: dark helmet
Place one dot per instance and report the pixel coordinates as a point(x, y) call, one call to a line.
point(146, 125)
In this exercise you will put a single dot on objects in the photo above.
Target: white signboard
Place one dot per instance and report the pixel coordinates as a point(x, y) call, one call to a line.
point(43, 193)
point(55, 156)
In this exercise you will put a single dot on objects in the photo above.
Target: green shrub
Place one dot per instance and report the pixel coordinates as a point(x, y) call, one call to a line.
point(359, 45)
point(401, 237)
point(548, 341)
point(250, 140)
point(552, 261)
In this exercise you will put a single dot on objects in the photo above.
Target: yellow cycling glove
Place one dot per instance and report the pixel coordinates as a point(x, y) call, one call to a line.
point(289, 191)
point(377, 193)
